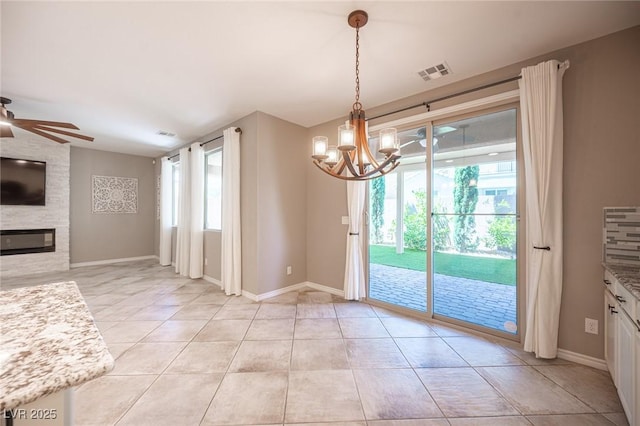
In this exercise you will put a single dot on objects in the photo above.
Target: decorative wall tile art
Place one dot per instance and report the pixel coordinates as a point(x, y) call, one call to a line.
point(113, 194)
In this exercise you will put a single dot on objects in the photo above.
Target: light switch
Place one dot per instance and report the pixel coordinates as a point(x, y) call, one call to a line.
point(345, 220)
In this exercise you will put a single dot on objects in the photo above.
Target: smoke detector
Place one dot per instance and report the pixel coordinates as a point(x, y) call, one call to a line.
point(434, 72)
point(163, 133)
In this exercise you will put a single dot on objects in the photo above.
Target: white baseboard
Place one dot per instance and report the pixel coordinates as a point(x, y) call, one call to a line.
point(278, 292)
point(212, 280)
point(110, 261)
point(589, 361)
point(325, 288)
point(293, 287)
point(250, 296)
point(217, 282)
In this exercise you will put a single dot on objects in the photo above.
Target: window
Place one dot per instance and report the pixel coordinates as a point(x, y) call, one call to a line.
point(213, 190)
point(175, 192)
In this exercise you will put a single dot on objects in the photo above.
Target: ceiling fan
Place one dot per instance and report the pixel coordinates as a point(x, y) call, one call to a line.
point(39, 127)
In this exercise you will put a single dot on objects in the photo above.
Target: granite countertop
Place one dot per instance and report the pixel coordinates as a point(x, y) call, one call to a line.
point(627, 275)
point(48, 342)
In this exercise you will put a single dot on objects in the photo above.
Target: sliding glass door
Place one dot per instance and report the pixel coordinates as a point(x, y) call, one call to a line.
point(443, 233)
point(398, 228)
point(474, 220)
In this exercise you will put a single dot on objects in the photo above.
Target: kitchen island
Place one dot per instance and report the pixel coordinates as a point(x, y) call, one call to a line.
point(49, 343)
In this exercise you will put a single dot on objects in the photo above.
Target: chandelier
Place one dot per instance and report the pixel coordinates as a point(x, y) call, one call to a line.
point(352, 158)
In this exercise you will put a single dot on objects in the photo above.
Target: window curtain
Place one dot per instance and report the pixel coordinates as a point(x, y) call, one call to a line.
point(183, 244)
point(231, 267)
point(196, 252)
point(354, 278)
point(166, 196)
point(541, 110)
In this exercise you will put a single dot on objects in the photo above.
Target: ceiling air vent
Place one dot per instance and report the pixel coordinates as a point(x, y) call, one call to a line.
point(436, 71)
point(163, 133)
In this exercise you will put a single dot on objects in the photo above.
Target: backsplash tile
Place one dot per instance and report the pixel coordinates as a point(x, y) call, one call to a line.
point(621, 235)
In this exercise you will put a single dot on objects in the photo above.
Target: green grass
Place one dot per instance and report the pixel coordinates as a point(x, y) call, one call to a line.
point(489, 269)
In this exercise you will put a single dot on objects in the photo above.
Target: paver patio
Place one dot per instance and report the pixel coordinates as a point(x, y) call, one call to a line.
point(479, 302)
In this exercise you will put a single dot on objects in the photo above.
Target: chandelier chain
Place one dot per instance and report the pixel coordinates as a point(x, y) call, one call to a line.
point(357, 105)
point(352, 159)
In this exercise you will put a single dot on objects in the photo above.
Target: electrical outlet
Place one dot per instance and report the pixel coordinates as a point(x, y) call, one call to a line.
point(206, 261)
point(590, 326)
point(288, 270)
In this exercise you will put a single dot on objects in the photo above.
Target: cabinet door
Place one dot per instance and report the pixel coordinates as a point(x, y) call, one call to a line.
point(610, 320)
point(637, 376)
point(626, 364)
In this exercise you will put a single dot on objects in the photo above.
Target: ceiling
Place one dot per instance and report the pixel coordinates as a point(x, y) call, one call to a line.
point(122, 71)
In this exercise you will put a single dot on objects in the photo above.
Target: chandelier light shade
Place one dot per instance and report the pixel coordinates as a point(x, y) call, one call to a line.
point(351, 158)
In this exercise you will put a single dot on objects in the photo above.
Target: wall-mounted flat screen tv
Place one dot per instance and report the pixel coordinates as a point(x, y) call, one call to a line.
point(22, 182)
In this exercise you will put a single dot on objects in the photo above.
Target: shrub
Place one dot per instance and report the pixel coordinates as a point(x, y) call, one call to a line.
point(415, 222)
point(377, 208)
point(465, 199)
point(502, 231)
point(441, 230)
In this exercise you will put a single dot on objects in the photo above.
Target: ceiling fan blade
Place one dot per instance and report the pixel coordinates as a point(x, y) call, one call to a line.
point(23, 123)
point(63, 132)
point(43, 134)
point(5, 132)
point(408, 143)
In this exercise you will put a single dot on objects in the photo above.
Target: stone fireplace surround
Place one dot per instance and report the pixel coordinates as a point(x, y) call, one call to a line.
point(53, 215)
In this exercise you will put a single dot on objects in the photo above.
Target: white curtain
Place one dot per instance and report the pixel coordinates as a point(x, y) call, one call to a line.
point(354, 279)
point(231, 241)
point(541, 109)
point(166, 196)
point(196, 252)
point(183, 244)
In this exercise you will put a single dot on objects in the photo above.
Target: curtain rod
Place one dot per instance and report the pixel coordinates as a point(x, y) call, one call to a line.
point(427, 104)
point(238, 130)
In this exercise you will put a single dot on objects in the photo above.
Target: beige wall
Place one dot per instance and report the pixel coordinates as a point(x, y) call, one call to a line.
point(212, 254)
point(97, 237)
point(601, 156)
point(281, 206)
point(249, 202)
point(326, 204)
point(272, 203)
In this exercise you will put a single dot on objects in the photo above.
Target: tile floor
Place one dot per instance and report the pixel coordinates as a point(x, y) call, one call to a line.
point(186, 354)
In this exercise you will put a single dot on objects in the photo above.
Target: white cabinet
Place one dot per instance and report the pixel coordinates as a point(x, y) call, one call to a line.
point(637, 414)
point(622, 345)
point(626, 364)
point(610, 325)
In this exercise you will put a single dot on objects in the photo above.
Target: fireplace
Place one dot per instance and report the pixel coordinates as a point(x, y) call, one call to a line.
point(23, 241)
